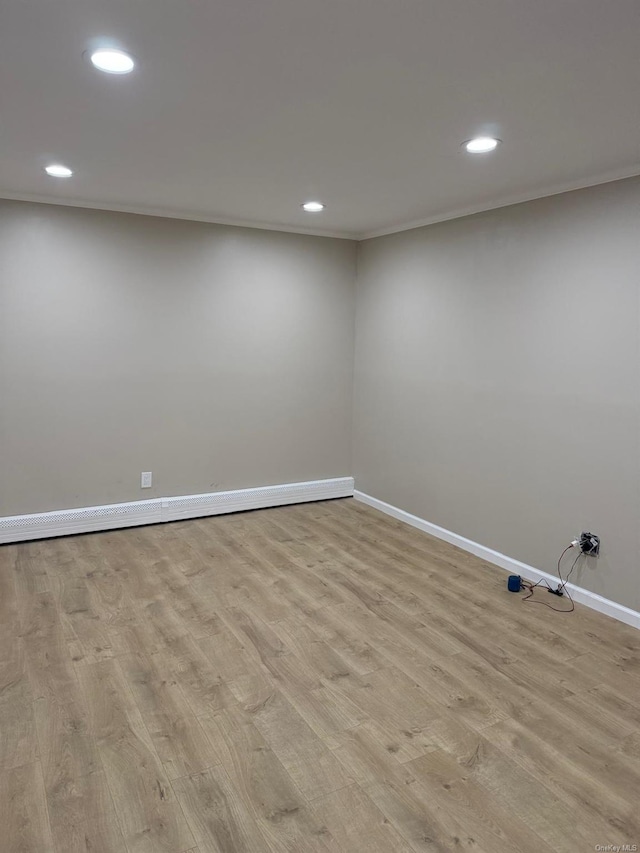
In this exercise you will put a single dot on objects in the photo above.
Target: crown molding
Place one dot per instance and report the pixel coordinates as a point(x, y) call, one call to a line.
point(457, 213)
point(507, 201)
point(166, 213)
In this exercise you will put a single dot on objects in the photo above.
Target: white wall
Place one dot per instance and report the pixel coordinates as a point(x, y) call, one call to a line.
point(497, 378)
point(497, 367)
point(216, 357)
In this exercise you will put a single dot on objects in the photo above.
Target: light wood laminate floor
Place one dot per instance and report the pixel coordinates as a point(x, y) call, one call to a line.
point(307, 678)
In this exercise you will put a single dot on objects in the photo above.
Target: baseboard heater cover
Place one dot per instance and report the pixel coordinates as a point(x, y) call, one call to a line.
point(43, 525)
point(514, 567)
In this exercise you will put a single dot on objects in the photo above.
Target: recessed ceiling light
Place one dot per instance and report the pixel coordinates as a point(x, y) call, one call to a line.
point(112, 61)
point(313, 206)
point(481, 144)
point(55, 170)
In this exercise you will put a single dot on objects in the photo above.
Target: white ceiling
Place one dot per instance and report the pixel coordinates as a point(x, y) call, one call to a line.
point(239, 110)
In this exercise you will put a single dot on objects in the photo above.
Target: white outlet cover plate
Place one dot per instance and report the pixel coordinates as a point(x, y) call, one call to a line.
point(146, 480)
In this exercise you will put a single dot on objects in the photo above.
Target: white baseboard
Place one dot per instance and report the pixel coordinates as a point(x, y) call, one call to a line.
point(515, 567)
point(42, 525)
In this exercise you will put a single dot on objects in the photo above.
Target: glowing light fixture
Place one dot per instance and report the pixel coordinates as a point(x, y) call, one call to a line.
point(481, 144)
point(112, 61)
point(57, 170)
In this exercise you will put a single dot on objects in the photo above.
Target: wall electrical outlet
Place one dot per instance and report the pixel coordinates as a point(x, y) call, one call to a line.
point(146, 479)
point(589, 544)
